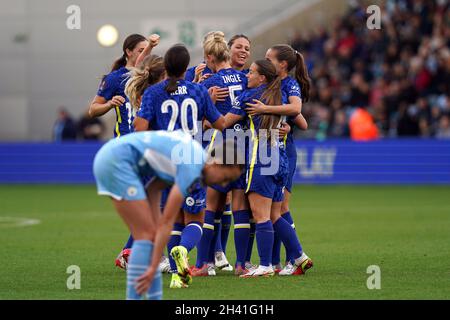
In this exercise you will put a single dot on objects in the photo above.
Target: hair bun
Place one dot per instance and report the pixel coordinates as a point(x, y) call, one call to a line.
point(219, 36)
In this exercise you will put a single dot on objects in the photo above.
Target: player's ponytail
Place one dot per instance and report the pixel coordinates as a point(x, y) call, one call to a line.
point(216, 46)
point(302, 76)
point(295, 59)
point(272, 94)
point(176, 61)
point(119, 63)
point(150, 72)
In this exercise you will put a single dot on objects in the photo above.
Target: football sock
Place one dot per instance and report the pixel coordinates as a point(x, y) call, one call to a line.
point(288, 237)
point(276, 249)
point(191, 235)
point(129, 243)
point(241, 235)
point(226, 225)
point(287, 216)
point(264, 241)
point(204, 244)
point(216, 243)
point(140, 259)
point(174, 240)
point(251, 240)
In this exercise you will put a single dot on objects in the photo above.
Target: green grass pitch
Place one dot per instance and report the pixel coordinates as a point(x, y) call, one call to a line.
point(344, 229)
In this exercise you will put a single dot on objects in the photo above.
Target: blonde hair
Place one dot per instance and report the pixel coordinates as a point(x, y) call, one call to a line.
point(149, 72)
point(216, 45)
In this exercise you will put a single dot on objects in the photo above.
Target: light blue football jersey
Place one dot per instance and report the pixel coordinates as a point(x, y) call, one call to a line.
point(173, 157)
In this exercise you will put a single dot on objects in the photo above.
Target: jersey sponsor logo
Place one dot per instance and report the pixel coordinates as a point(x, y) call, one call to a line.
point(237, 127)
point(132, 191)
point(190, 201)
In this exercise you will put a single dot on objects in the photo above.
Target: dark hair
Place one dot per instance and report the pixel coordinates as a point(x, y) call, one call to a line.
point(130, 43)
point(295, 59)
point(235, 37)
point(176, 61)
point(272, 95)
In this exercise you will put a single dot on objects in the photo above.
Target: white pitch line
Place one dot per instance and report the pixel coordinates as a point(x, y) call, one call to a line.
point(13, 222)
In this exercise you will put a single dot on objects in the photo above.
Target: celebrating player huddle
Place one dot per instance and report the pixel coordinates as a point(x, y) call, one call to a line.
point(211, 133)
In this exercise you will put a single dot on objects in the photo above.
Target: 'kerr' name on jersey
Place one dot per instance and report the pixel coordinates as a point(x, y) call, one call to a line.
point(180, 90)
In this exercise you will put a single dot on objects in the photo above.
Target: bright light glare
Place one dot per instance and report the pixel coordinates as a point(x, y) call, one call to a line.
point(107, 35)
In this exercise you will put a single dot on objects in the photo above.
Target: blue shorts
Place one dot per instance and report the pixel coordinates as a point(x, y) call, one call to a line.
point(194, 203)
point(237, 184)
point(269, 186)
point(265, 185)
point(116, 176)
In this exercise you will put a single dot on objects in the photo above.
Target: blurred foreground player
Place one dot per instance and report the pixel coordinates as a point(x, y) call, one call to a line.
point(171, 158)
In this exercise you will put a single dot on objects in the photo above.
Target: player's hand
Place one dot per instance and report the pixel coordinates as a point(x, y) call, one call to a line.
point(204, 77)
point(154, 40)
point(116, 101)
point(218, 94)
point(206, 125)
point(284, 130)
point(144, 282)
point(198, 71)
point(255, 108)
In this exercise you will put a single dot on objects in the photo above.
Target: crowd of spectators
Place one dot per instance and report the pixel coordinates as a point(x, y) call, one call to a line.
point(400, 73)
point(66, 128)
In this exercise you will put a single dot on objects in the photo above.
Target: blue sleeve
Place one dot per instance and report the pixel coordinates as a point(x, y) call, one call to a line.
point(239, 105)
point(146, 110)
point(190, 74)
point(211, 112)
point(293, 90)
point(211, 82)
point(108, 87)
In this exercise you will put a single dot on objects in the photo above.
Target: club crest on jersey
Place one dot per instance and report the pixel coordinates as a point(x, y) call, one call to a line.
point(132, 191)
point(190, 201)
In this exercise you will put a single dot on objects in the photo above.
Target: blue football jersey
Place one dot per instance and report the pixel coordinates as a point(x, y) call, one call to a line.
point(253, 123)
point(290, 88)
point(112, 85)
point(247, 97)
point(190, 73)
point(234, 80)
point(182, 109)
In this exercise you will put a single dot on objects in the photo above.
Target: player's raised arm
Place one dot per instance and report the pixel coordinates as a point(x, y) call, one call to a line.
point(153, 41)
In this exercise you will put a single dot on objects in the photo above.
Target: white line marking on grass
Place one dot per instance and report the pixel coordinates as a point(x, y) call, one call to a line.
point(13, 222)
